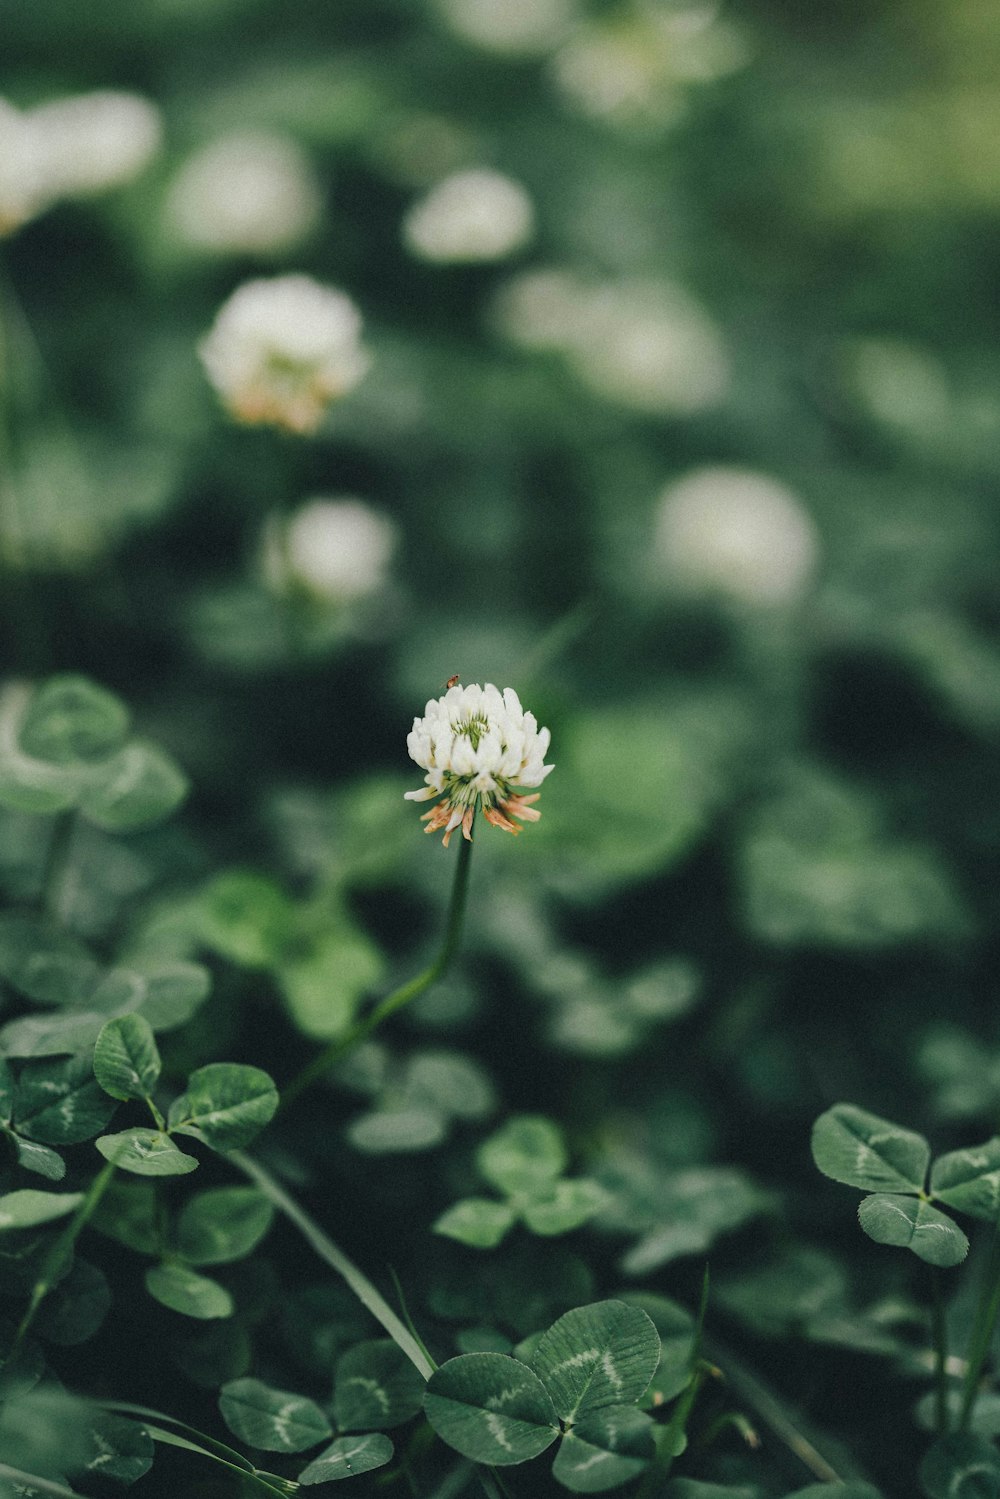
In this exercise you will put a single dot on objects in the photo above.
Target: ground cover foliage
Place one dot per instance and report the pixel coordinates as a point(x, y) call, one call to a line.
point(681, 1180)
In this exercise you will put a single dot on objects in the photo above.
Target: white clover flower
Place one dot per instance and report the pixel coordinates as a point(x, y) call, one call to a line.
point(92, 142)
point(735, 532)
point(647, 345)
point(476, 215)
point(70, 148)
point(337, 549)
point(23, 180)
point(650, 346)
point(478, 746)
point(282, 349)
point(511, 27)
point(634, 68)
point(540, 309)
point(251, 192)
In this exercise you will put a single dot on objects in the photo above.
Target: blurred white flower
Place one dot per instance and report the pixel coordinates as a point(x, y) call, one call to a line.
point(476, 215)
point(282, 349)
point(539, 309)
point(92, 142)
point(650, 346)
point(635, 66)
point(337, 549)
point(613, 73)
point(23, 182)
point(71, 147)
point(251, 192)
point(900, 383)
point(477, 746)
point(738, 533)
point(647, 345)
point(509, 26)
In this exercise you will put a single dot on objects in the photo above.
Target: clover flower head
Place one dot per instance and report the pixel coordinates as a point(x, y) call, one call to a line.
point(70, 148)
point(23, 183)
point(336, 548)
point(479, 748)
point(644, 344)
point(735, 533)
point(282, 349)
point(476, 215)
point(97, 141)
point(511, 28)
point(635, 67)
point(249, 192)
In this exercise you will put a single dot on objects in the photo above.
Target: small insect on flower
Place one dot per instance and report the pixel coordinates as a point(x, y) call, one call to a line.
point(478, 747)
point(451, 682)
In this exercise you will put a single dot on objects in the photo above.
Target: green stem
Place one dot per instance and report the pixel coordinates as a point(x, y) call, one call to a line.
point(491, 1483)
point(248, 1475)
point(209, 1445)
point(343, 1045)
point(205, 1446)
point(57, 861)
point(940, 1335)
point(739, 1423)
point(409, 1320)
point(774, 1412)
point(984, 1324)
point(18, 359)
point(560, 635)
point(8, 400)
point(335, 1258)
point(56, 1258)
point(669, 1438)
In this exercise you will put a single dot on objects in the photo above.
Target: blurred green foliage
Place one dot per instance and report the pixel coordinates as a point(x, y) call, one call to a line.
point(705, 466)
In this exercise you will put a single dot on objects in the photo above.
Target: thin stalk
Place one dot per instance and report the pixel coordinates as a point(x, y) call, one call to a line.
point(248, 1475)
point(939, 1329)
point(674, 1436)
point(209, 1445)
point(205, 1446)
point(408, 1319)
point(56, 1258)
point(454, 1483)
point(57, 861)
point(774, 1412)
point(560, 635)
point(491, 1483)
point(335, 1258)
point(343, 1045)
point(20, 365)
point(8, 396)
point(984, 1324)
point(670, 1438)
point(739, 1423)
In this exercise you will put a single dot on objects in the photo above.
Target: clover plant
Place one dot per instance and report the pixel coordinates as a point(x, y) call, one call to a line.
point(567, 428)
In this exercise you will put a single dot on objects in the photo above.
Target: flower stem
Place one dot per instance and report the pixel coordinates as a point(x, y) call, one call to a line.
point(940, 1335)
point(205, 1446)
point(983, 1326)
point(672, 1438)
point(57, 861)
point(774, 1411)
point(344, 1045)
point(56, 1258)
point(335, 1258)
